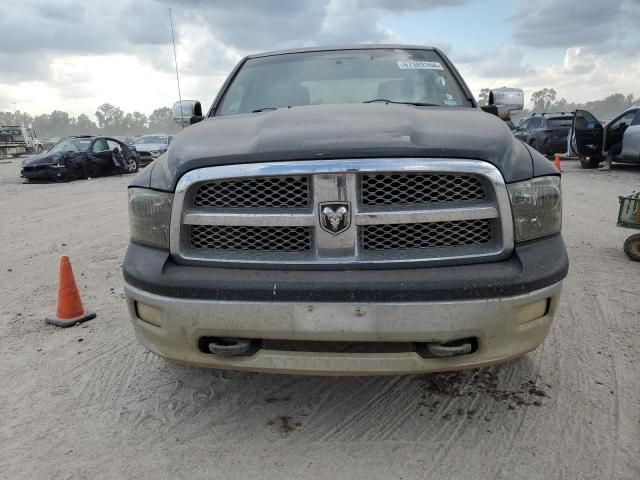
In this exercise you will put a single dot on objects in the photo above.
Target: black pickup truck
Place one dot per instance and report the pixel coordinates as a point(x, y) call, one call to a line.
point(345, 211)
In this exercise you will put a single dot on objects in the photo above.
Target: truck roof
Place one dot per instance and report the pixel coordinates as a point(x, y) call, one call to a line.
point(370, 46)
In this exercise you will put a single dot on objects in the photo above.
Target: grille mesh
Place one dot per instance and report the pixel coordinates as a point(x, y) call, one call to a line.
point(260, 192)
point(426, 235)
point(416, 188)
point(276, 239)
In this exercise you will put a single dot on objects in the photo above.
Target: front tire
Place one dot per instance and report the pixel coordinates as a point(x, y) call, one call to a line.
point(632, 247)
point(131, 165)
point(589, 162)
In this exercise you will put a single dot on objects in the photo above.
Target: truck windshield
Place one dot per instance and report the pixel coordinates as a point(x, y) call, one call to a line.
point(342, 76)
point(11, 131)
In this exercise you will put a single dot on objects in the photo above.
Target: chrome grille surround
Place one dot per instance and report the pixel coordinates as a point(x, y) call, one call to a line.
point(342, 181)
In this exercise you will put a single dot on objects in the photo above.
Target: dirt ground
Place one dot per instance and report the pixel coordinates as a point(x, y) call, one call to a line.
point(90, 402)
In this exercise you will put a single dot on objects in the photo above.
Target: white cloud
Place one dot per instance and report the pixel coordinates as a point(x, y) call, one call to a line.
point(63, 58)
point(578, 60)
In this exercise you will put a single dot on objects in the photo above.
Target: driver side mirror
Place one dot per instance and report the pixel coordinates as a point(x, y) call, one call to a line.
point(507, 101)
point(187, 112)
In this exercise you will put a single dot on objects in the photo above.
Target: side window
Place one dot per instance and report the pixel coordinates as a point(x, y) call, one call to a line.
point(113, 144)
point(627, 118)
point(636, 119)
point(100, 145)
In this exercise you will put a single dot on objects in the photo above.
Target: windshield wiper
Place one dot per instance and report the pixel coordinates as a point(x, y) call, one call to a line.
point(417, 104)
point(264, 109)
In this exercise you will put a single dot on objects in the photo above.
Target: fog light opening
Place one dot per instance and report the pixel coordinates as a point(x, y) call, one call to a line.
point(148, 314)
point(533, 311)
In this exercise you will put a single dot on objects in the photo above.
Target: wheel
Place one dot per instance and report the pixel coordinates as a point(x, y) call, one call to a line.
point(131, 165)
point(589, 162)
point(39, 149)
point(632, 247)
point(16, 155)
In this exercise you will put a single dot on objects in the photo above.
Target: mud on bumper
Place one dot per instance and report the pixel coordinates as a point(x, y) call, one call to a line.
point(504, 328)
point(505, 307)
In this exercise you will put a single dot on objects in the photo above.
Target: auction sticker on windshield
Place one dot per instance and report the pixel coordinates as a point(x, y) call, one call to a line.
point(415, 65)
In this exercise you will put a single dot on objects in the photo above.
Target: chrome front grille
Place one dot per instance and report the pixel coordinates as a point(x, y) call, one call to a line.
point(426, 235)
point(418, 188)
point(271, 239)
point(351, 213)
point(262, 192)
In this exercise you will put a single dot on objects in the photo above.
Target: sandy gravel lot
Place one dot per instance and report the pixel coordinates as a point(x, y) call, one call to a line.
point(90, 402)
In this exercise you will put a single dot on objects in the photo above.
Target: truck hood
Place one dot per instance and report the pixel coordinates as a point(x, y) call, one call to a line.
point(317, 132)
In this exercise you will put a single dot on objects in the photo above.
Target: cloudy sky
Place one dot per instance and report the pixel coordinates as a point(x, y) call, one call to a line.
point(76, 54)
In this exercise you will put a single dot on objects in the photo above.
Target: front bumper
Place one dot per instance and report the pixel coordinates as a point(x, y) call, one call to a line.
point(44, 172)
point(437, 304)
point(500, 325)
point(146, 158)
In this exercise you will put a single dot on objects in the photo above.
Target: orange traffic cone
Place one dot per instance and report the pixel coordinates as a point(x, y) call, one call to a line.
point(556, 162)
point(69, 310)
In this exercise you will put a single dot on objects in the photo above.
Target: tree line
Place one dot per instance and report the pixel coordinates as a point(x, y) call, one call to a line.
point(546, 100)
point(111, 120)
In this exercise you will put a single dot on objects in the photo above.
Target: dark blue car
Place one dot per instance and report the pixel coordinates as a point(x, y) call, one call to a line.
point(81, 157)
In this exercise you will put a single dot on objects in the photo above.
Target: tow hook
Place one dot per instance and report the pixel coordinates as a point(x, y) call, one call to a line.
point(450, 349)
point(229, 346)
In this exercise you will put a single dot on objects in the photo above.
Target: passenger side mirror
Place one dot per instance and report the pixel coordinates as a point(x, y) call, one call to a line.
point(492, 109)
point(187, 112)
point(507, 101)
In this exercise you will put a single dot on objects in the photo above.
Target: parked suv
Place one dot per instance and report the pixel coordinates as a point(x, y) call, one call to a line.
point(546, 132)
point(345, 211)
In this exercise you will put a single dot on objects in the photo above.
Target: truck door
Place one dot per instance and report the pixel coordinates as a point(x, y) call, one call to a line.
point(631, 140)
point(101, 157)
point(587, 135)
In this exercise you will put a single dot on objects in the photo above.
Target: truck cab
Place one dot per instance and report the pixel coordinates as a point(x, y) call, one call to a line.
point(16, 140)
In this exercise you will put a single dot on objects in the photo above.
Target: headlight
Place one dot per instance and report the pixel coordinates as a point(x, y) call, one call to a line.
point(537, 207)
point(150, 216)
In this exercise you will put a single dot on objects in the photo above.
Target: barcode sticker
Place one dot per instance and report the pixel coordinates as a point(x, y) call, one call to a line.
point(416, 65)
